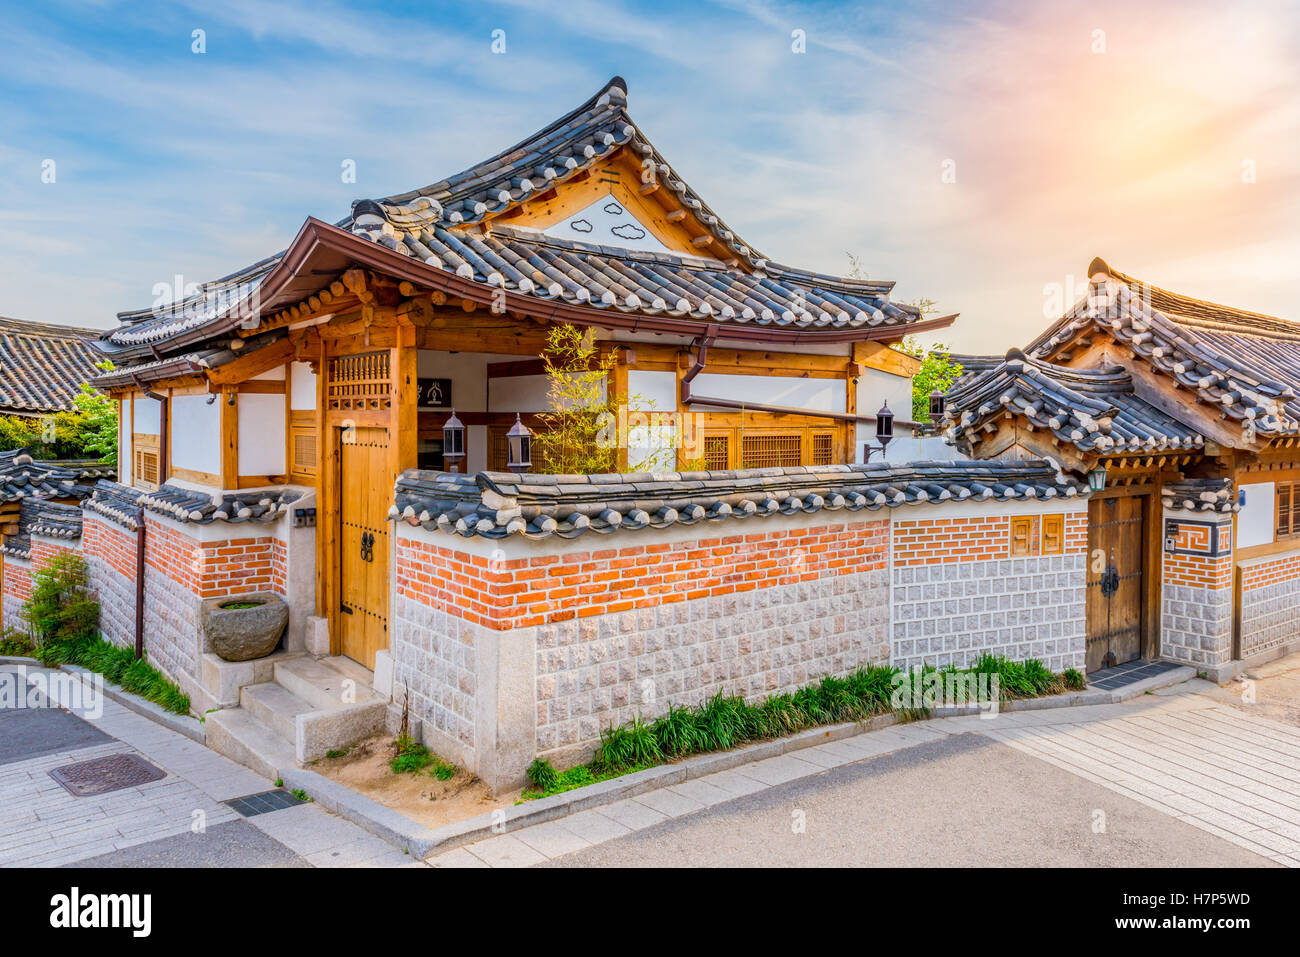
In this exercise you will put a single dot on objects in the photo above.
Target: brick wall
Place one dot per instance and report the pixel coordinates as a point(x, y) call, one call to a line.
point(629, 629)
point(958, 592)
point(1196, 594)
point(17, 589)
point(1270, 603)
point(110, 552)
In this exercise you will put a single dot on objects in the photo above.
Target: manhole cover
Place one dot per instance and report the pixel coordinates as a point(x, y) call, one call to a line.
point(110, 773)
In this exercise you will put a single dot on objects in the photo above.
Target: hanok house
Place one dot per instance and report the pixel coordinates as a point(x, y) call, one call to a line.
point(1184, 416)
point(266, 417)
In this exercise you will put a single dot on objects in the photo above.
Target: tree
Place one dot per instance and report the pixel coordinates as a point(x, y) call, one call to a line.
point(936, 374)
point(580, 406)
point(87, 430)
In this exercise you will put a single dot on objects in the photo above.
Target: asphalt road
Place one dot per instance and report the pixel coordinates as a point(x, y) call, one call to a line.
point(958, 802)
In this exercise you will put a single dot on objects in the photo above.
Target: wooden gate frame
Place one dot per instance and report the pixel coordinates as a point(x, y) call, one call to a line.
point(401, 420)
point(1152, 561)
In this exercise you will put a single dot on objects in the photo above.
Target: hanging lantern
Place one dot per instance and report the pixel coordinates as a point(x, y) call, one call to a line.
point(884, 425)
point(520, 442)
point(453, 443)
point(1097, 479)
point(936, 405)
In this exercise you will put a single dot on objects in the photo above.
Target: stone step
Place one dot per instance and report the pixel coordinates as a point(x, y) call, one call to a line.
point(364, 677)
point(322, 686)
point(276, 707)
point(238, 735)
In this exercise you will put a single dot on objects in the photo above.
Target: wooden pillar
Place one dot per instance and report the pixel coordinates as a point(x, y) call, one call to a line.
point(617, 385)
point(327, 517)
point(850, 430)
point(404, 444)
point(229, 437)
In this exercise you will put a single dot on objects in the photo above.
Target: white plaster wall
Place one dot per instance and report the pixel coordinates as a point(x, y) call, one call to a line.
point(525, 393)
point(196, 434)
point(824, 395)
point(148, 415)
point(124, 445)
point(1255, 520)
point(261, 434)
point(302, 387)
point(875, 388)
point(652, 390)
point(272, 375)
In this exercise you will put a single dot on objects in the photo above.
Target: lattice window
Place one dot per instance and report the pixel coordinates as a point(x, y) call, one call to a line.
point(358, 382)
point(146, 464)
point(717, 452)
point(771, 450)
point(1288, 510)
point(823, 448)
point(302, 438)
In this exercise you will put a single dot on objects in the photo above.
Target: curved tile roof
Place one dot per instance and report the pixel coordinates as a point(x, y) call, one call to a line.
point(123, 504)
point(42, 365)
point(432, 224)
point(22, 477)
point(1094, 410)
point(1243, 363)
point(501, 504)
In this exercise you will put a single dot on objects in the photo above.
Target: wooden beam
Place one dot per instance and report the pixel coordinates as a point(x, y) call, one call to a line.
point(255, 363)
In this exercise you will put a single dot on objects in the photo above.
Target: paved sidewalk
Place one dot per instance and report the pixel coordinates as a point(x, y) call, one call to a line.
point(170, 821)
point(1195, 761)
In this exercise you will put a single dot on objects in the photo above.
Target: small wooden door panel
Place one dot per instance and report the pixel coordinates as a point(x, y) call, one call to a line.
point(363, 542)
point(1114, 582)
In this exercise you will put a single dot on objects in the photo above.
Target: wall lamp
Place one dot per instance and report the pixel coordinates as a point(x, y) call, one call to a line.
point(884, 434)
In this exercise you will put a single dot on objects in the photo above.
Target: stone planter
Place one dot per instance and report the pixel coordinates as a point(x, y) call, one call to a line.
point(244, 627)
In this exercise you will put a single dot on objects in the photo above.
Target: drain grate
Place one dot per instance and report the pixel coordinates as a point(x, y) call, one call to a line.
point(250, 805)
point(1117, 677)
point(111, 773)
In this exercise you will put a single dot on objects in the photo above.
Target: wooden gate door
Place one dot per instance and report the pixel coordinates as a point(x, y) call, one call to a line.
point(1114, 591)
point(364, 491)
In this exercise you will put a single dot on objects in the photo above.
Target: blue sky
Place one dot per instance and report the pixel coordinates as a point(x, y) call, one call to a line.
point(1064, 146)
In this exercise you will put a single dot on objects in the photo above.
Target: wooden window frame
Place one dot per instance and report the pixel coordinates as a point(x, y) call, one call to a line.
point(1292, 532)
point(146, 445)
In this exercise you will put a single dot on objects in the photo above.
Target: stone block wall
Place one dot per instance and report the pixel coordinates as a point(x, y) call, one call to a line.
point(110, 553)
point(958, 591)
point(514, 648)
point(1196, 592)
point(1270, 603)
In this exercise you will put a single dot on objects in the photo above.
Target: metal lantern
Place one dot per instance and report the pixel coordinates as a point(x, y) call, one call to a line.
point(936, 405)
point(884, 426)
point(1097, 479)
point(520, 442)
point(453, 443)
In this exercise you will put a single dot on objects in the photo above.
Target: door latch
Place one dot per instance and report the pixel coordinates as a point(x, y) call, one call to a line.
point(367, 546)
point(1110, 581)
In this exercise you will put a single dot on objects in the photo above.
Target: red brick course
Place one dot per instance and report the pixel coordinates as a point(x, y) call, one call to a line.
point(937, 541)
point(517, 593)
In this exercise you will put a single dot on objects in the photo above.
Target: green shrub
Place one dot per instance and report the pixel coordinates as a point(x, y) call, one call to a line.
point(631, 744)
point(721, 722)
point(1073, 679)
point(677, 733)
point(61, 608)
point(16, 644)
point(543, 775)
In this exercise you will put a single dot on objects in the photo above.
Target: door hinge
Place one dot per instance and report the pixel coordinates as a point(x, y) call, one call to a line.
point(345, 609)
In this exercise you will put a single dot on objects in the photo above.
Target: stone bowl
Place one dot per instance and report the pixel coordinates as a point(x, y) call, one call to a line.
point(244, 627)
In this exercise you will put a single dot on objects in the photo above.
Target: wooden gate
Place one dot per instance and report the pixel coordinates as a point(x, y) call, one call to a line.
point(1114, 592)
point(364, 483)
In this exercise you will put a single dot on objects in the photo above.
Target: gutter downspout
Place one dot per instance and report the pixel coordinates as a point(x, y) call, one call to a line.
point(164, 427)
point(139, 588)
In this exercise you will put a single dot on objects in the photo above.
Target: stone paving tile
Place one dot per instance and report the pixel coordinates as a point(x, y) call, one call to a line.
point(778, 770)
point(309, 829)
point(368, 850)
point(1189, 762)
point(733, 783)
point(823, 756)
point(702, 791)
point(595, 827)
point(552, 838)
point(668, 802)
point(457, 857)
point(631, 814)
point(505, 851)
